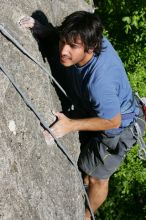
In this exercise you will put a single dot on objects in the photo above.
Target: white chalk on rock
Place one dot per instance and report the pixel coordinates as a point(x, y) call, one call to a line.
point(12, 126)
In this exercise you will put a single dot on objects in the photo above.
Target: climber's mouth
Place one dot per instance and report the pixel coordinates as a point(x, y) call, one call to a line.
point(65, 60)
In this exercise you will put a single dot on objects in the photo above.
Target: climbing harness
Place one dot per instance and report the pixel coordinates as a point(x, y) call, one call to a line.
point(142, 102)
point(37, 114)
point(136, 132)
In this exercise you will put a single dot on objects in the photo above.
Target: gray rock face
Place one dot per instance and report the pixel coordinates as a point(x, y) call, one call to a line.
point(36, 180)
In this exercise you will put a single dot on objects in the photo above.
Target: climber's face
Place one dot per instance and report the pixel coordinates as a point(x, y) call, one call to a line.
point(73, 53)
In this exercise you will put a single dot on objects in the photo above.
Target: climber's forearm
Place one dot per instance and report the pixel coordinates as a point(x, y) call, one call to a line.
point(42, 31)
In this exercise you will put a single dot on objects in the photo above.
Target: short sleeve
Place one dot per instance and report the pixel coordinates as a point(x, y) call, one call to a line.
point(104, 99)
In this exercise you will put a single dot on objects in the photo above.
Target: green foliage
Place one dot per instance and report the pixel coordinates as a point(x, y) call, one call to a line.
point(127, 191)
point(124, 21)
point(125, 26)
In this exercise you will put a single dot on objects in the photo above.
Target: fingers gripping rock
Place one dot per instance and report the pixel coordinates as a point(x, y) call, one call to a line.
point(27, 22)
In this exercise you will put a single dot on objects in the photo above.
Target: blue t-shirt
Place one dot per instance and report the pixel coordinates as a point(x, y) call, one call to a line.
point(101, 88)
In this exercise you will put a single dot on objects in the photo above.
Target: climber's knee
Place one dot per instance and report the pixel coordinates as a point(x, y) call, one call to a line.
point(99, 182)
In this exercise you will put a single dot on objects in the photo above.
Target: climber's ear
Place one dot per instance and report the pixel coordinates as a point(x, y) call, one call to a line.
point(91, 50)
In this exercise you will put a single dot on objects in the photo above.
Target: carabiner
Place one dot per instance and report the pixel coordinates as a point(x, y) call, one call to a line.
point(142, 153)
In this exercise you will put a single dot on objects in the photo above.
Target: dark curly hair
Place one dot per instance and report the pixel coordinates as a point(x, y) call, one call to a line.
point(85, 25)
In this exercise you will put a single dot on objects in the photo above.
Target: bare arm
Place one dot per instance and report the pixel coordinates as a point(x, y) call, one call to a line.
point(66, 125)
point(96, 124)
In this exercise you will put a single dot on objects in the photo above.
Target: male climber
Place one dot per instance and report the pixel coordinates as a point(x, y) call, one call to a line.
point(99, 88)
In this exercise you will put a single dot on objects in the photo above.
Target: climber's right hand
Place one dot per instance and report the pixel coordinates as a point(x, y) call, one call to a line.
point(27, 22)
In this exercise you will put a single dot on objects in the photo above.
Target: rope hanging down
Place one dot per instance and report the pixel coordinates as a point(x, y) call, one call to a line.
point(23, 50)
point(37, 114)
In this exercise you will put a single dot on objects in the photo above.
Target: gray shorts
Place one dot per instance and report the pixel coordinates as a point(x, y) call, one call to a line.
point(102, 158)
